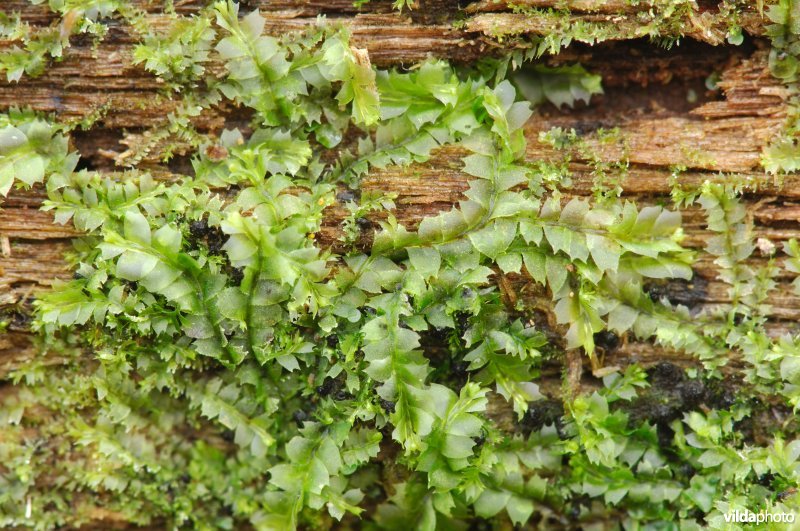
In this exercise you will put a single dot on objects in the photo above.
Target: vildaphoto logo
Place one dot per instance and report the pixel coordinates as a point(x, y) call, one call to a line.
point(749, 517)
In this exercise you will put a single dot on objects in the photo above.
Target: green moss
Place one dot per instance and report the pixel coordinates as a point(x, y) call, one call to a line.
point(220, 368)
point(783, 154)
point(663, 22)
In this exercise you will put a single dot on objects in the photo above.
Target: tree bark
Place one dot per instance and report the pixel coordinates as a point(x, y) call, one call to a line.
point(657, 99)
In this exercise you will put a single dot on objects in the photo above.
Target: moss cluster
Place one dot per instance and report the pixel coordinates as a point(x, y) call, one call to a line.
point(219, 368)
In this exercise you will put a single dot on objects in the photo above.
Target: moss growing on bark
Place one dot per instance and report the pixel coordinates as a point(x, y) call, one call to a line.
point(218, 367)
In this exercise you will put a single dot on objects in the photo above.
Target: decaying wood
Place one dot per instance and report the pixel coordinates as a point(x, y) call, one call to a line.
point(657, 98)
point(703, 27)
point(658, 129)
point(666, 118)
point(128, 97)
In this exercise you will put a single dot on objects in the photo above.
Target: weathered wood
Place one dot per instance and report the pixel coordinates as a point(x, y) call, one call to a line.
point(726, 135)
point(646, 99)
point(93, 79)
point(657, 130)
point(655, 97)
point(614, 25)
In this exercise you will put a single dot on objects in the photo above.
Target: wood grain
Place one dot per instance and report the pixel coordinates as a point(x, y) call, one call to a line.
point(656, 98)
point(657, 130)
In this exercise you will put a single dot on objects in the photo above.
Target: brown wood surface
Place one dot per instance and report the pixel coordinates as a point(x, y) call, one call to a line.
point(101, 77)
point(656, 97)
